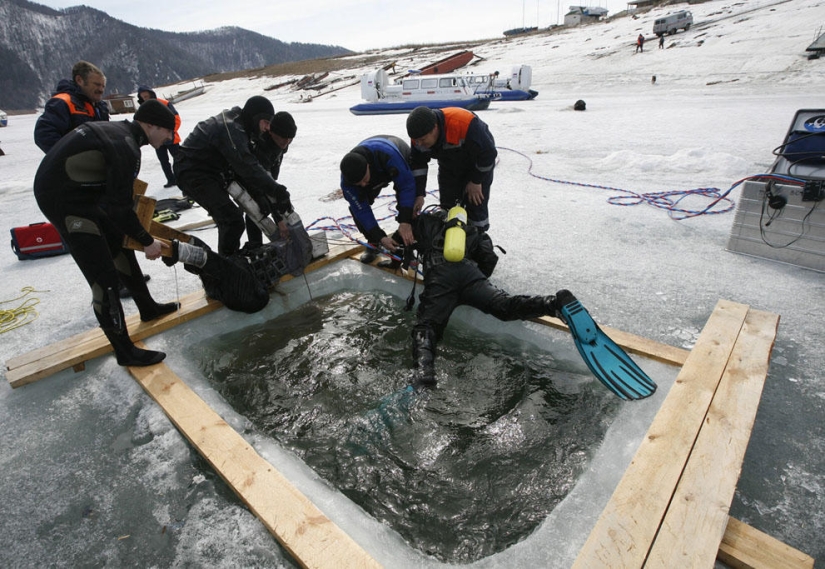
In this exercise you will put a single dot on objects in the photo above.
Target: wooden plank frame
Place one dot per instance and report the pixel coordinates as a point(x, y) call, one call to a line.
point(671, 507)
point(669, 510)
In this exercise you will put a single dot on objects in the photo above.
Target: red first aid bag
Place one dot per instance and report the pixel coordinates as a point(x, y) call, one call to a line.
point(36, 240)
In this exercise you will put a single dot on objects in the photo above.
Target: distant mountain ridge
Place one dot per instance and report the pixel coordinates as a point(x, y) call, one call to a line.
point(39, 46)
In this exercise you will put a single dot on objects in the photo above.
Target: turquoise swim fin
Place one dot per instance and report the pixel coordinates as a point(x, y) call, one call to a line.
point(608, 362)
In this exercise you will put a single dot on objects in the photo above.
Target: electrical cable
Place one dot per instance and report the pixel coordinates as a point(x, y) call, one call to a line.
point(773, 215)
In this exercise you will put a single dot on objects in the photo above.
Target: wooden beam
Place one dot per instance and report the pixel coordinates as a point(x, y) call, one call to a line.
point(630, 521)
point(139, 187)
point(311, 538)
point(698, 513)
point(72, 352)
point(630, 342)
point(144, 209)
point(169, 233)
point(744, 547)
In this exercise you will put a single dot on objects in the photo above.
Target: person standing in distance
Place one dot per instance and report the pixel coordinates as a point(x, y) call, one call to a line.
point(146, 94)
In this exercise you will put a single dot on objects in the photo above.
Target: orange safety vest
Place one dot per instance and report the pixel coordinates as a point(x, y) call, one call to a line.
point(87, 110)
point(176, 140)
point(456, 123)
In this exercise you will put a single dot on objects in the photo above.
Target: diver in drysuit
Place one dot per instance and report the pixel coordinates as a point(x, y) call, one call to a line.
point(449, 284)
point(241, 281)
point(92, 166)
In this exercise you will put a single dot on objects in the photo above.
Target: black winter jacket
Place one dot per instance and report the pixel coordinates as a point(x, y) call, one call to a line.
point(220, 147)
point(59, 118)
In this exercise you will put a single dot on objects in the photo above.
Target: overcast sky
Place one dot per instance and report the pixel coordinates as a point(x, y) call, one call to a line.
point(354, 24)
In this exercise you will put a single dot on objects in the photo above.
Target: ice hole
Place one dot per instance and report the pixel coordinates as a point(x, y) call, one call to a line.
point(516, 434)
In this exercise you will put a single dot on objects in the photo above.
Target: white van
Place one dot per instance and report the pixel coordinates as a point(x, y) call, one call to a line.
point(672, 22)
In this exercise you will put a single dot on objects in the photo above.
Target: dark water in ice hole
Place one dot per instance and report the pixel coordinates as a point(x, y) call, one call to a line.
point(461, 472)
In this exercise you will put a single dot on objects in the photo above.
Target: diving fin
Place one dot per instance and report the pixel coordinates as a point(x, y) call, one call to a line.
point(608, 362)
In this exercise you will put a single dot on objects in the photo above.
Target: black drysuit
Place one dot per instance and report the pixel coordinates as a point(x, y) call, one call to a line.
point(448, 285)
point(216, 152)
point(97, 163)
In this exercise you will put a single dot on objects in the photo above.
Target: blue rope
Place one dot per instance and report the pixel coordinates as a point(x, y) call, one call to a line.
point(667, 200)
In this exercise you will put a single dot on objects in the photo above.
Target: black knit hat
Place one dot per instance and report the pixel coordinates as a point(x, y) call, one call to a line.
point(420, 122)
point(255, 109)
point(283, 125)
point(353, 167)
point(156, 113)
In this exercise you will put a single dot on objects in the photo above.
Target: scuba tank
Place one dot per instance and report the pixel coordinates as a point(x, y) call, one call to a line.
point(455, 237)
point(250, 206)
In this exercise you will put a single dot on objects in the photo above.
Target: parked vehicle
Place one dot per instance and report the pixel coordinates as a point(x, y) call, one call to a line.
point(513, 87)
point(434, 91)
point(673, 22)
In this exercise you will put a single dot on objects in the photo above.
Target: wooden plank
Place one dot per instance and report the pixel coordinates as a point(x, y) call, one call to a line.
point(196, 224)
point(91, 344)
point(73, 351)
point(139, 187)
point(188, 303)
point(698, 513)
point(744, 547)
point(169, 233)
point(298, 525)
point(145, 209)
point(631, 519)
point(630, 342)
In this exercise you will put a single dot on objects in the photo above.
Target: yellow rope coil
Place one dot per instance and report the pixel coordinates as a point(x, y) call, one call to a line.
point(23, 314)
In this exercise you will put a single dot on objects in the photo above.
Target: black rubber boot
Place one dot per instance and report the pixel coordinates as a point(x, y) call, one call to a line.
point(423, 358)
point(109, 313)
point(155, 310)
point(134, 280)
point(148, 308)
point(369, 255)
point(125, 292)
point(392, 264)
point(128, 354)
point(551, 305)
point(563, 298)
